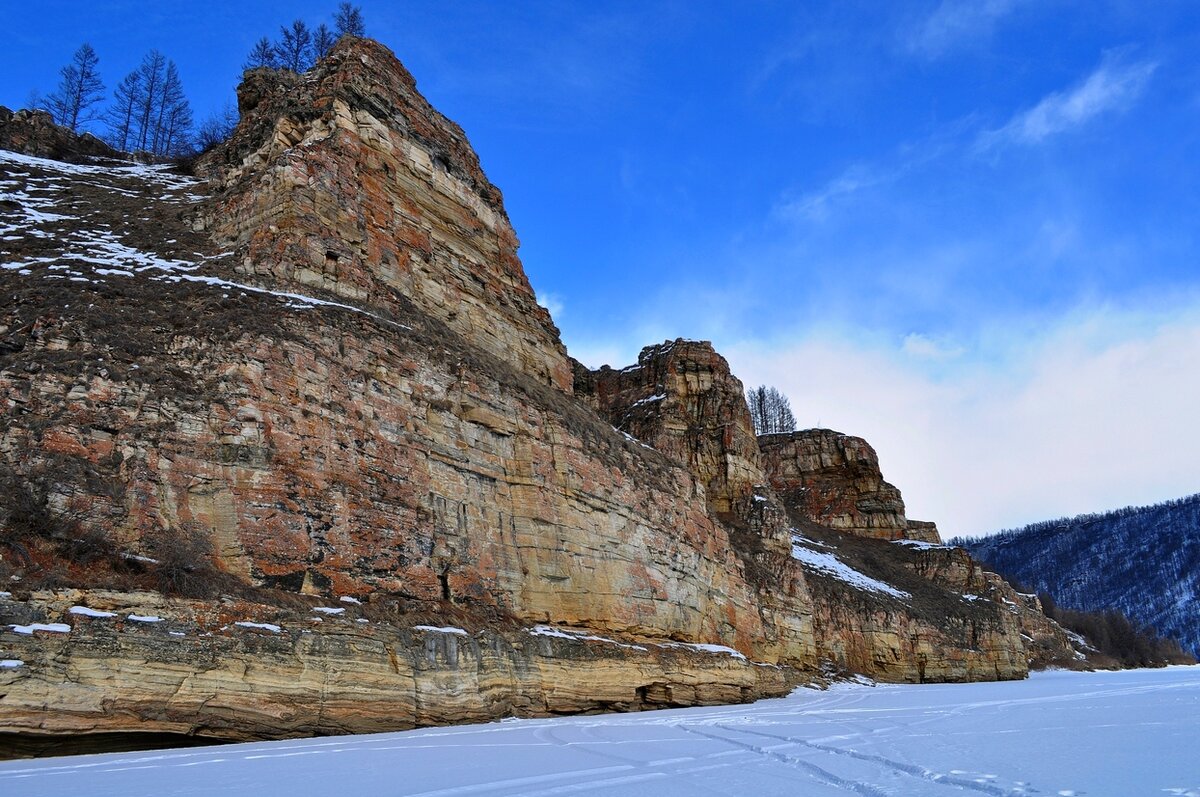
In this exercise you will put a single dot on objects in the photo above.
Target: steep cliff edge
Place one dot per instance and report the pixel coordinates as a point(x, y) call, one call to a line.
point(318, 380)
point(346, 180)
point(347, 390)
point(881, 595)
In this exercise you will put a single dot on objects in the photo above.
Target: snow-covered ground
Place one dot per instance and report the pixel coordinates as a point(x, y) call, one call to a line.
point(1122, 734)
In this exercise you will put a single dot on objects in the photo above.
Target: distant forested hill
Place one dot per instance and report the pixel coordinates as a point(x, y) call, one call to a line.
point(1143, 561)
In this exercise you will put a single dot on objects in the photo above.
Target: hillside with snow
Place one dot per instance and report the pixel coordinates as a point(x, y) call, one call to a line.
point(1142, 561)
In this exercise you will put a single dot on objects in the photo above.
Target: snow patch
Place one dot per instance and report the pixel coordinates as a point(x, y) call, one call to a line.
point(921, 545)
point(56, 628)
point(86, 612)
point(830, 565)
point(704, 648)
point(579, 636)
point(329, 610)
point(649, 400)
point(274, 629)
point(348, 599)
point(144, 618)
point(445, 629)
point(11, 664)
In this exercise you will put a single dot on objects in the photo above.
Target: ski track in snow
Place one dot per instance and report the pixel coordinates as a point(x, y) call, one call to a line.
point(1059, 733)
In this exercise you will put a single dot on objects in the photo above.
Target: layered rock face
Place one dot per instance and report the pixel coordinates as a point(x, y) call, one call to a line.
point(681, 399)
point(348, 181)
point(953, 620)
point(394, 425)
point(141, 667)
point(330, 379)
point(834, 480)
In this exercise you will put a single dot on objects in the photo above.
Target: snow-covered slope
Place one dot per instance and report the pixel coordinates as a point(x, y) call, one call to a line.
point(1059, 733)
point(1142, 561)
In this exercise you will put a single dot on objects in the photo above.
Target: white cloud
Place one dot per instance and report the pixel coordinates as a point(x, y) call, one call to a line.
point(955, 22)
point(551, 302)
point(924, 347)
point(1097, 412)
point(1114, 86)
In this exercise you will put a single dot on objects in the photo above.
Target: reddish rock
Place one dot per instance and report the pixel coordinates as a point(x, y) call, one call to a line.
point(834, 480)
point(681, 399)
point(348, 182)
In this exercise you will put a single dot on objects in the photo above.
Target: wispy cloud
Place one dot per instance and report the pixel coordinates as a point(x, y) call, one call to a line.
point(956, 22)
point(862, 177)
point(926, 347)
point(1112, 87)
point(816, 205)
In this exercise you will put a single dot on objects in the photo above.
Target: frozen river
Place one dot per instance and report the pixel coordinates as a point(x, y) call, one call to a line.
point(1124, 734)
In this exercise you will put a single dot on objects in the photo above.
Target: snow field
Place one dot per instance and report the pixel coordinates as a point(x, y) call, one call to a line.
point(1119, 734)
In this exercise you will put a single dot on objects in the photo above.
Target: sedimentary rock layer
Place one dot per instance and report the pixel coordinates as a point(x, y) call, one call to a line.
point(346, 180)
point(133, 663)
point(834, 480)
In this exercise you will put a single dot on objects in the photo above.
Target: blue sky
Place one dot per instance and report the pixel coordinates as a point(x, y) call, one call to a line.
point(965, 231)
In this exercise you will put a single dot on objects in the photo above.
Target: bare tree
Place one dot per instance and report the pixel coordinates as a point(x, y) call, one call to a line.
point(323, 41)
point(216, 128)
point(79, 89)
point(34, 101)
point(263, 55)
point(770, 411)
point(121, 116)
point(152, 72)
point(348, 21)
point(150, 112)
point(173, 114)
point(294, 49)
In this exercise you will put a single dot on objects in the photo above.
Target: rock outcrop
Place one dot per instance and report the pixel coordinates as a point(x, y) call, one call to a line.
point(954, 621)
point(321, 377)
point(348, 182)
point(834, 480)
point(139, 666)
point(681, 399)
point(391, 422)
point(35, 133)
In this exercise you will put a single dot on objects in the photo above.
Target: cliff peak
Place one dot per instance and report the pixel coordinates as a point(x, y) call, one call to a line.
point(346, 181)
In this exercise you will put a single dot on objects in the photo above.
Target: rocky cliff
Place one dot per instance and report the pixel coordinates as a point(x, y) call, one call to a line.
point(952, 621)
point(348, 182)
point(834, 480)
point(887, 599)
point(305, 415)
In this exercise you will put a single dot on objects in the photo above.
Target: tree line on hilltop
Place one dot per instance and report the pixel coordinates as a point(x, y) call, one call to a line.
point(149, 110)
point(1127, 579)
